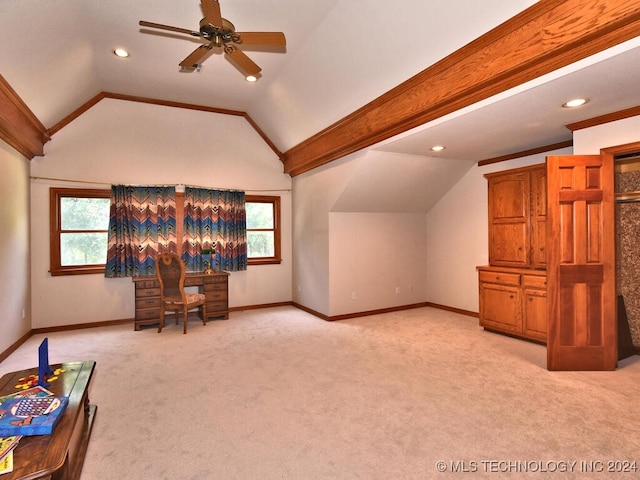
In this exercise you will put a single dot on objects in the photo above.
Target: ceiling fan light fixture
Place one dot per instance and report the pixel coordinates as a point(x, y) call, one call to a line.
point(121, 52)
point(575, 102)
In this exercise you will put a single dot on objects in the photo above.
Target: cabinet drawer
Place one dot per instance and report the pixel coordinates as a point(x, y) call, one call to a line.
point(534, 281)
point(500, 277)
point(147, 292)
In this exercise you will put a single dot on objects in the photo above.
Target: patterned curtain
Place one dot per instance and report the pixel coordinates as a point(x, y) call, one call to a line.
point(142, 223)
point(214, 220)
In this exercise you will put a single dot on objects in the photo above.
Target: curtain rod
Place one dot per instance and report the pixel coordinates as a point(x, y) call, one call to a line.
point(157, 185)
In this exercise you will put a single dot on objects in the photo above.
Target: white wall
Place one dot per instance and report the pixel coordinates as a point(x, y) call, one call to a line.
point(458, 235)
point(135, 143)
point(589, 141)
point(314, 193)
point(376, 261)
point(14, 247)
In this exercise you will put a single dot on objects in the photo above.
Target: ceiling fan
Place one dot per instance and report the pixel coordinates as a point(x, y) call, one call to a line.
point(220, 32)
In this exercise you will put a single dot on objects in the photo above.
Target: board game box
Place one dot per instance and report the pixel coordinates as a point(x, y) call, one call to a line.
point(30, 415)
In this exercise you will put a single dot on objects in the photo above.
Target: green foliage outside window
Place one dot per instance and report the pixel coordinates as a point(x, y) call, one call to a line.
point(260, 226)
point(84, 225)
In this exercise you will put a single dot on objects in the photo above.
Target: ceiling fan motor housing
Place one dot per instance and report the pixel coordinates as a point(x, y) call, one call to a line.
point(226, 32)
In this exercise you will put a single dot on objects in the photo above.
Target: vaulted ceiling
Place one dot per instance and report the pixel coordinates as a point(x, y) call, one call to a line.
point(354, 73)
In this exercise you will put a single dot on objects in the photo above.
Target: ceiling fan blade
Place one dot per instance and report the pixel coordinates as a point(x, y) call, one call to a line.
point(262, 38)
point(211, 10)
point(195, 57)
point(167, 27)
point(243, 62)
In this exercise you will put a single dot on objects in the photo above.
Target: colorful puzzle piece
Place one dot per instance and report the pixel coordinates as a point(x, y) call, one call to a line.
point(32, 380)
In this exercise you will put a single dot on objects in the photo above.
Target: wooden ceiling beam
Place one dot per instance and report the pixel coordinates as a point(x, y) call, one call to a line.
point(547, 36)
point(19, 127)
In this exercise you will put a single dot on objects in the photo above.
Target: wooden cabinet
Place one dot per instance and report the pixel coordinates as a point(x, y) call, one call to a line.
point(147, 296)
point(514, 301)
point(517, 217)
point(513, 291)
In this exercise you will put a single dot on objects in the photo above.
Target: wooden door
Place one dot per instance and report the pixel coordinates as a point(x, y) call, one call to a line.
point(581, 264)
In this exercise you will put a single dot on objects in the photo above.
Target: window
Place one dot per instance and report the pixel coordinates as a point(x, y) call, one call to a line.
point(263, 229)
point(79, 221)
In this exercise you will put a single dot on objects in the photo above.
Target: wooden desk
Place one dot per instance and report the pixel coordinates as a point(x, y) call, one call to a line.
point(58, 456)
point(215, 286)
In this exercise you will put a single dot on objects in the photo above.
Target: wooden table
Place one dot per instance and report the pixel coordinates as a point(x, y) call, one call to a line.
point(61, 454)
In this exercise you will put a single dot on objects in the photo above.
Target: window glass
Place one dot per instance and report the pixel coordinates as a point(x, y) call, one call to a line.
point(263, 229)
point(79, 225)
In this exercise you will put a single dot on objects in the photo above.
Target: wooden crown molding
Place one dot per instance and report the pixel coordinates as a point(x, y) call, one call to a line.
point(609, 117)
point(79, 111)
point(19, 127)
point(549, 35)
point(526, 153)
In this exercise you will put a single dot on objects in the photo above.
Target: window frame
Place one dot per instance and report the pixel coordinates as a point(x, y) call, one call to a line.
point(55, 224)
point(277, 235)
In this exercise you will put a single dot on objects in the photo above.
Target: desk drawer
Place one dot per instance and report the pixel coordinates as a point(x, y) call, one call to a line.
point(143, 284)
point(219, 306)
point(147, 292)
point(147, 313)
point(215, 287)
point(216, 295)
point(147, 302)
point(213, 279)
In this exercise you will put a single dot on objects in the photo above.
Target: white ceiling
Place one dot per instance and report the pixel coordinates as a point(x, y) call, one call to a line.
point(340, 55)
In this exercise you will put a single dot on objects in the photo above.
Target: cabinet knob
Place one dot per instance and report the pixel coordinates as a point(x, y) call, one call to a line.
point(511, 296)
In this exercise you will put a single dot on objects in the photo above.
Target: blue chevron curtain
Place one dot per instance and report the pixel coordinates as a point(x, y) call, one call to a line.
point(142, 223)
point(214, 219)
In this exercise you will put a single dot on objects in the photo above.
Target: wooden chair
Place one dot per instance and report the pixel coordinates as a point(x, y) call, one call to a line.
point(171, 272)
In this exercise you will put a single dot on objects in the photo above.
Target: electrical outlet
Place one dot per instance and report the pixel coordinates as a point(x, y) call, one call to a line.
point(24, 313)
point(397, 289)
point(353, 295)
point(299, 289)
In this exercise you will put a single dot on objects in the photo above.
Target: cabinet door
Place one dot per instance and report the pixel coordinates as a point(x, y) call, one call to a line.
point(509, 207)
point(535, 314)
point(538, 218)
point(500, 307)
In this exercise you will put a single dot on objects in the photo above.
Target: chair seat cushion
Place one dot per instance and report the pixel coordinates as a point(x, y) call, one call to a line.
point(190, 297)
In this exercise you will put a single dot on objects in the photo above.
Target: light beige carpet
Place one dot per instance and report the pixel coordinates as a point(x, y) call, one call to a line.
point(280, 394)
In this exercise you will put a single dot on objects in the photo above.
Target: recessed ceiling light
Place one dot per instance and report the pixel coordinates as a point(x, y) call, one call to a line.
point(437, 148)
point(576, 102)
point(251, 78)
point(121, 52)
